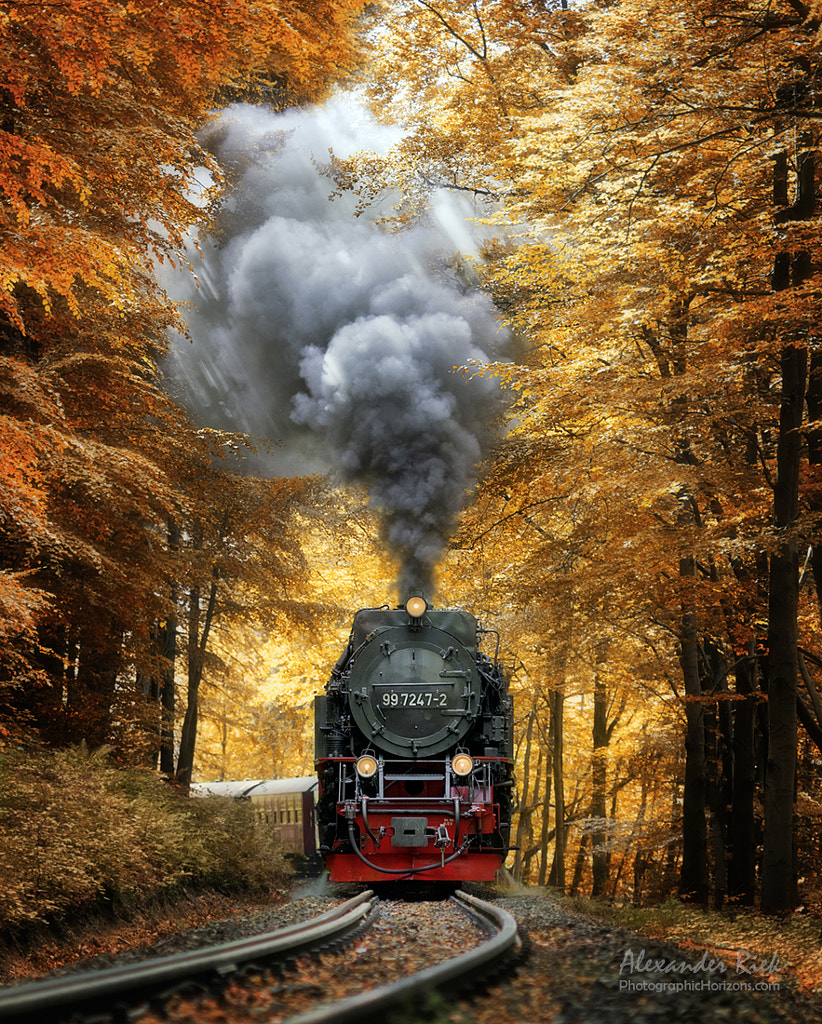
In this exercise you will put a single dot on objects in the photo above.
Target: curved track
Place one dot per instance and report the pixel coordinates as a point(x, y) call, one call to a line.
point(113, 992)
point(113, 989)
point(460, 971)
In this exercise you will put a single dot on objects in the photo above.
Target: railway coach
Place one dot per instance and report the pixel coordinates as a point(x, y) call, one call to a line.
point(287, 806)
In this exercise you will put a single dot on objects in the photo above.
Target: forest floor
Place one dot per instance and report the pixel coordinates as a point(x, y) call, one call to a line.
point(582, 967)
point(580, 963)
point(128, 929)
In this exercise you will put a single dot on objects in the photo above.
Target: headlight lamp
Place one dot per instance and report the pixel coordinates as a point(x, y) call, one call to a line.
point(462, 764)
point(367, 766)
point(416, 606)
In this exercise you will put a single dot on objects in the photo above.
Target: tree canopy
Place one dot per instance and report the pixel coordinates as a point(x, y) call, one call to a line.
point(118, 511)
point(655, 168)
point(100, 103)
point(646, 532)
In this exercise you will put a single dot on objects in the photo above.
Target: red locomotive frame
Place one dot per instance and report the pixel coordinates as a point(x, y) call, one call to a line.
point(460, 840)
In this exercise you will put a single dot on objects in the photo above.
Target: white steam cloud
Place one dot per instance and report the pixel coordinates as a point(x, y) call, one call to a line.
point(316, 327)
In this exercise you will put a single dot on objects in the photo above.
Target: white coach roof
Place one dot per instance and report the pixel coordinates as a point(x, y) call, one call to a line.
point(254, 787)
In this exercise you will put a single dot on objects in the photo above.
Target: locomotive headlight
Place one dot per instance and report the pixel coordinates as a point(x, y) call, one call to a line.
point(415, 606)
point(366, 766)
point(462, 764)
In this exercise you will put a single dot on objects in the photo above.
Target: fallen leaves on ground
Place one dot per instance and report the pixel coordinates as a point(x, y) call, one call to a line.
point(49, 949)
point(405, 939)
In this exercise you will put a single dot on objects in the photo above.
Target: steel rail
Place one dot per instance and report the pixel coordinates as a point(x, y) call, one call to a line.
point(375, 1003)
point(53, 998)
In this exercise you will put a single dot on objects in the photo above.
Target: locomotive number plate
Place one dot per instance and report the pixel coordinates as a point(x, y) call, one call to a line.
point(413, 699)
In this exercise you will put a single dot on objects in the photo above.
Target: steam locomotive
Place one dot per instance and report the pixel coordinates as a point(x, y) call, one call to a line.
point(413, 743)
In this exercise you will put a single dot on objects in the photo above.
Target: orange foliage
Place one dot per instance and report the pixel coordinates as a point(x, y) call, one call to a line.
point(99, 164)
point(99, 105)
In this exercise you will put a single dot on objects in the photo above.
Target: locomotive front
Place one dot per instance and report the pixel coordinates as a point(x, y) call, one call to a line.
point(413, 745)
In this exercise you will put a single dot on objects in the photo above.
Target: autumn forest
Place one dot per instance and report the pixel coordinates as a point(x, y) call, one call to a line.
point(590, 412)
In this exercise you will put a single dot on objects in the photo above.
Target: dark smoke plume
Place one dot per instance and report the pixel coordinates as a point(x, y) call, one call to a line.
point(316, 327)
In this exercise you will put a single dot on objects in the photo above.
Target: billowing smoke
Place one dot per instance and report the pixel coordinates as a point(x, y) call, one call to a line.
point(317, 327)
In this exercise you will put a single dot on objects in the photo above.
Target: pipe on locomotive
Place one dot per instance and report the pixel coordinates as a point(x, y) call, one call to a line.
point(402, 871)
point(366, 826)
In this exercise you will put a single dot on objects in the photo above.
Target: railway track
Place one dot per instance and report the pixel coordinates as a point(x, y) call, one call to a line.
point(115, 989)
point(468, 969)
point(117, 993)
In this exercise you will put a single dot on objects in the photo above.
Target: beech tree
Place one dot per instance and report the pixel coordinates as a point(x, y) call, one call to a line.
point(98, 113)
point(257, 700)
point(648, 533)
point(668, 302)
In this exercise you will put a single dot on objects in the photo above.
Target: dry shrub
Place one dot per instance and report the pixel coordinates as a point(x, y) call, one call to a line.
point(74, 830)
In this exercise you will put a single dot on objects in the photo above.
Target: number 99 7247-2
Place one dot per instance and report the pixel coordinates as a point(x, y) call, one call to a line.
point(411, 699)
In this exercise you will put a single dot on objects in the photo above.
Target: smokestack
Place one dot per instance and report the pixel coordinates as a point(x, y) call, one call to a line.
point(315, 326)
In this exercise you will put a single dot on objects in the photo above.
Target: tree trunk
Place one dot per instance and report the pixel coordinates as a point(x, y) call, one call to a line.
point(742, 868)
point(778, 876)
point(149, 687)
point(90, 689)
point(223, 721)
point(196, 655)
point(524, 813)
point(814, 436)
point(46, 699)
point(693, 882)
point(640, 857)
point(168, 691)
point(532, 802)
point(790, 269)
point(579, 864)
point(694, 874)
point(557, 703)
point(169, 655)
point(719, 762)
point(546, 819)
point(810, 716)
point(599, 853)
